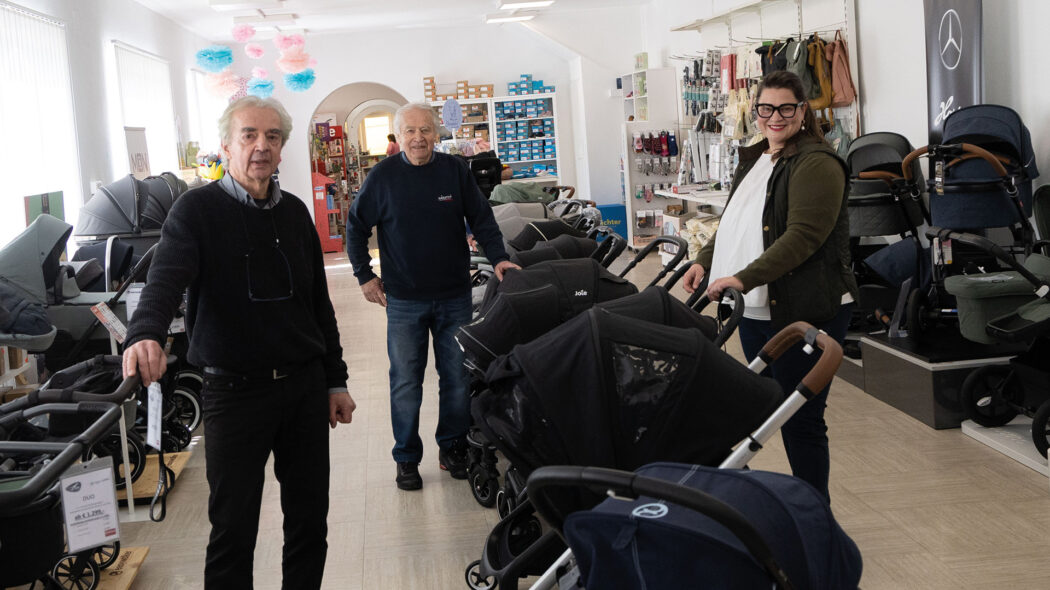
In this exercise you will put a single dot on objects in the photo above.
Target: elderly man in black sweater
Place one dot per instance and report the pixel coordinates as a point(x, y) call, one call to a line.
point(418, 200)
point(261, 325)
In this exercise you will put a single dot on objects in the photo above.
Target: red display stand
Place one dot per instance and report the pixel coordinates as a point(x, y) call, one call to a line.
point(326, 215)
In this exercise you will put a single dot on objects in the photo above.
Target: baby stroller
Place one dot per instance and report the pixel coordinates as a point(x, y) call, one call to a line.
point(1009, 306)
point(881, 203)
point(649, 392)
point(32, 545)
point(130, 209)
point(981, 180)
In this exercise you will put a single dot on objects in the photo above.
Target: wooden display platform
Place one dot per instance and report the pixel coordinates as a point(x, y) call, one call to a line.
point(146, 485)
point(122, 573)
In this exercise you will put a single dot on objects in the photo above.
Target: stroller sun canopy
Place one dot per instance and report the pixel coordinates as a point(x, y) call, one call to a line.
point(29, 263)
point(129, 206)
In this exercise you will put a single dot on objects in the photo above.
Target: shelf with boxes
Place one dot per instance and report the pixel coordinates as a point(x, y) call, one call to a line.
point(526, 136)
point(475, 122)
point(464, 90)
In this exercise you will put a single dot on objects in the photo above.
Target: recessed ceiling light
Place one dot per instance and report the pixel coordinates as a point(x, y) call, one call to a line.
point(496, 18)
point(517, 5)
point(232, 5)
point(268, 19)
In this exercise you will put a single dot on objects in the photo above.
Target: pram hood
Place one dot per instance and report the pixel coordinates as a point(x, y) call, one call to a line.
point(615, 547)
point(569, 246)
point(580, 283)
point(608, 390)
point(520, 192)
point(542, 230)
point(29, 263)
point(882, 150)
point(997, 129)
point(129, 206)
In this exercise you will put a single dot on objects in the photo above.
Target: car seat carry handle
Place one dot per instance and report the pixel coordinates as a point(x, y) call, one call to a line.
point(1041, 286)
point(822, 373)
point(732, 322)
point(626, 485)
point(683, 249)
point(40, 481)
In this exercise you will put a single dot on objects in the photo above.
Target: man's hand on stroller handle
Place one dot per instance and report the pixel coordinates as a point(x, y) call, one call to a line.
point(146, 359)
point(373, 291)
point(340, 408)
point(503, 267)
point(693, 277)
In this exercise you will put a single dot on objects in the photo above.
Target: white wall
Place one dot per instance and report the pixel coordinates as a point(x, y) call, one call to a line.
point(91, 27)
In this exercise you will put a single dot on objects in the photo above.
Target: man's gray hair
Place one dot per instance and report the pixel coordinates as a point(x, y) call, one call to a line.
point(399, 116)
point(254, 101)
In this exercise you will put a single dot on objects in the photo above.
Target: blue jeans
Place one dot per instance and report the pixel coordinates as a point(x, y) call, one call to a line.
point(408, 324)
point(805, 434)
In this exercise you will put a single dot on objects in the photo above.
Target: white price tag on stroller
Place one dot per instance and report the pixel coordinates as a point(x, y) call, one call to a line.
point(154, 403)
point(89, 504)
point(178, 326)
point(110, 320)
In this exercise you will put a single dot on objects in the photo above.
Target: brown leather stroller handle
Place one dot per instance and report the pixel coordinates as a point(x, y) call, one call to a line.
point(887, 177)
point(906, 162)
point(1006, 161)
point(988, 157)
point(827, 365)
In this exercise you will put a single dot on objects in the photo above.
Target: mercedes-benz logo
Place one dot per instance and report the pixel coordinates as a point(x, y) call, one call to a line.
point(951, 47)
point(655, 510)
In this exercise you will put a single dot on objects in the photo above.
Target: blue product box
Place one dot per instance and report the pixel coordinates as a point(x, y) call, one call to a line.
point(512, 92)
point(615, 217)
point(526, 78)
point(537, 86)
point(512, 86)
point(548, 89)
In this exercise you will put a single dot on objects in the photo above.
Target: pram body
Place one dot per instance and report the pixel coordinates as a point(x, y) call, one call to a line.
point(130, 209)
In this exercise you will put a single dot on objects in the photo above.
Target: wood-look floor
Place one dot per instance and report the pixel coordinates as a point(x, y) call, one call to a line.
point(928, 509)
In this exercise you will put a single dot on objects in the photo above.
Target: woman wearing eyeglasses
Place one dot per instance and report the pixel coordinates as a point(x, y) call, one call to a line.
point(784, 242)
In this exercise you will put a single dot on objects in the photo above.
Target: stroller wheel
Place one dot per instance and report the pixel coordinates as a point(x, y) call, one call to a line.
point(991, 395)
point(1041, 428)
point(187, 407)
point(76, 572)
point(504, 503)
point(475, 581)
point(916, 314)
point(110, 445)
point(485, 488)
point(524, 533)
point(106, 555)
point(191, 380)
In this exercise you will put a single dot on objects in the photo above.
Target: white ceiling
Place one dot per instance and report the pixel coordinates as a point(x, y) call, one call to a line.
point(214, 19)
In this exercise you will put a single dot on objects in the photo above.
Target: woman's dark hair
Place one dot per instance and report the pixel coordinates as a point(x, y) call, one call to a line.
point(790, 81)
point(390, 137)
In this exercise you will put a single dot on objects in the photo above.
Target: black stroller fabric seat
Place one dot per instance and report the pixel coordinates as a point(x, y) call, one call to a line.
point(580, 283)
point(608, 390)
point(641, 544)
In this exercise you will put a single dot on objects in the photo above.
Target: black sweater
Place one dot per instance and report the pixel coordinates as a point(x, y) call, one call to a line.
point(419, 213)
point(204, 246)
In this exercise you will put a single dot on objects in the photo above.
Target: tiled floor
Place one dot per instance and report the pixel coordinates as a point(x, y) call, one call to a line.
point(929, 509)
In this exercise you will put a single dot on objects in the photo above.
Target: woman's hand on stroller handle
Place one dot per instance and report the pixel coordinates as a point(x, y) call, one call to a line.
point(714, 290)
point(146, 359)
point(373, 291)
point(693, 277)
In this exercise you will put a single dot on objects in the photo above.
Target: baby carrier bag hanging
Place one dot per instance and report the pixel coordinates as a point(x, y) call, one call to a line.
point(843, 91)
point(798, 63)
point(821, 95)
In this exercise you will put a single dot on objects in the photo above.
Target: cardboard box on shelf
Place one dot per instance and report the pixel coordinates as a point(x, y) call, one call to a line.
point(13, 393)
point(462, 84)
point(672, 226)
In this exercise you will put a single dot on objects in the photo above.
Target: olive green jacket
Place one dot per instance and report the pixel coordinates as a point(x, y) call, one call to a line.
point(806, 262)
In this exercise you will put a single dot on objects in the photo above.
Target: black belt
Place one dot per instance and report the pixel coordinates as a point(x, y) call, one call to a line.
point(270, 374)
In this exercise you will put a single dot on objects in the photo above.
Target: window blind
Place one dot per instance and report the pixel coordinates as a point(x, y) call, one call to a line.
point(38, 152)
point(205, 110)
point(145, 101)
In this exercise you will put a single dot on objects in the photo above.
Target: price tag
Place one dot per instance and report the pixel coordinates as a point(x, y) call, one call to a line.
point(89, 504)
point(178, 325)
point(155, 403)
point(110, 320)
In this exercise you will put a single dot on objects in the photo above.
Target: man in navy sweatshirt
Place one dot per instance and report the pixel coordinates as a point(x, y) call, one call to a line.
point(262, 328)
point(418, 201)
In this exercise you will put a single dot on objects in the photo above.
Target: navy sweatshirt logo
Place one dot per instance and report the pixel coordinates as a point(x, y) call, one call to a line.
point(444, 198)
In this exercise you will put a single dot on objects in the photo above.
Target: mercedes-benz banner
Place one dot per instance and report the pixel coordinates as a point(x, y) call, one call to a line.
point(953, 58)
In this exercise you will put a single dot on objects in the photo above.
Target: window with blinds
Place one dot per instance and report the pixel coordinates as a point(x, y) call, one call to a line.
point(145, 101)
point(38, 147)
point(205, 110)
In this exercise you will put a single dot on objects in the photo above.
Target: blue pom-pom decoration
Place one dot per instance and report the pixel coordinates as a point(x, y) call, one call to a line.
point(215, 58)
point(260, 87)
point(300, 81)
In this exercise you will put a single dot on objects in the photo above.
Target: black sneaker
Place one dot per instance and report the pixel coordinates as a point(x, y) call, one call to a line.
point(408, 476)
point(454, 460)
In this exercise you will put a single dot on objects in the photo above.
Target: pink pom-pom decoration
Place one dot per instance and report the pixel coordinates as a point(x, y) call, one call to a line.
point(223, 84)
point(254, 50)
point(293, 60)
point(260, 73)
point(285, 42)
point(242, 89)
point(242, 33)
point(313, 62)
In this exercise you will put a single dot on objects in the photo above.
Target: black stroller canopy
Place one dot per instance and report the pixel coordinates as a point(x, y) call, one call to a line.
point(513, 318)
point(607, 390)
point(538, 231)
point(657, 305)
point(881, 151)
point(29, 263)
point(580, 283)
point(570, 246)
point(996, 128)
point(130, 206)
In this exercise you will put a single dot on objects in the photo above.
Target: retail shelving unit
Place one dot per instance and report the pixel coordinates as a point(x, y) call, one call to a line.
point(649, 95)
point(327, 215)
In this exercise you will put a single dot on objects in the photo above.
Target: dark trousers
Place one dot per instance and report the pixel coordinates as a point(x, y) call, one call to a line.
point(244, 421)
point(805, 434)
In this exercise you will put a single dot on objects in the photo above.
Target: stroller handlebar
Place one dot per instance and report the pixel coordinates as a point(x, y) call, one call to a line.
point(70, 452)
point(968, 150)
point(624, 484)
point(59, 389)
point(988, 246)
point(822, 373)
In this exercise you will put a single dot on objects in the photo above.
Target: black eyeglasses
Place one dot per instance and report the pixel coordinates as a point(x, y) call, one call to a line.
point(786, 110)
point(267, 261)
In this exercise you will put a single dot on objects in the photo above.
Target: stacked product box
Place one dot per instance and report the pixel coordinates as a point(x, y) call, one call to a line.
point(429, 88)
point(526, 85)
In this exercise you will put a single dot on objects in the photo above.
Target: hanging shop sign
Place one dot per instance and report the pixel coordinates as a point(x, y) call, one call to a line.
point(452, 115)
point(953, 59)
